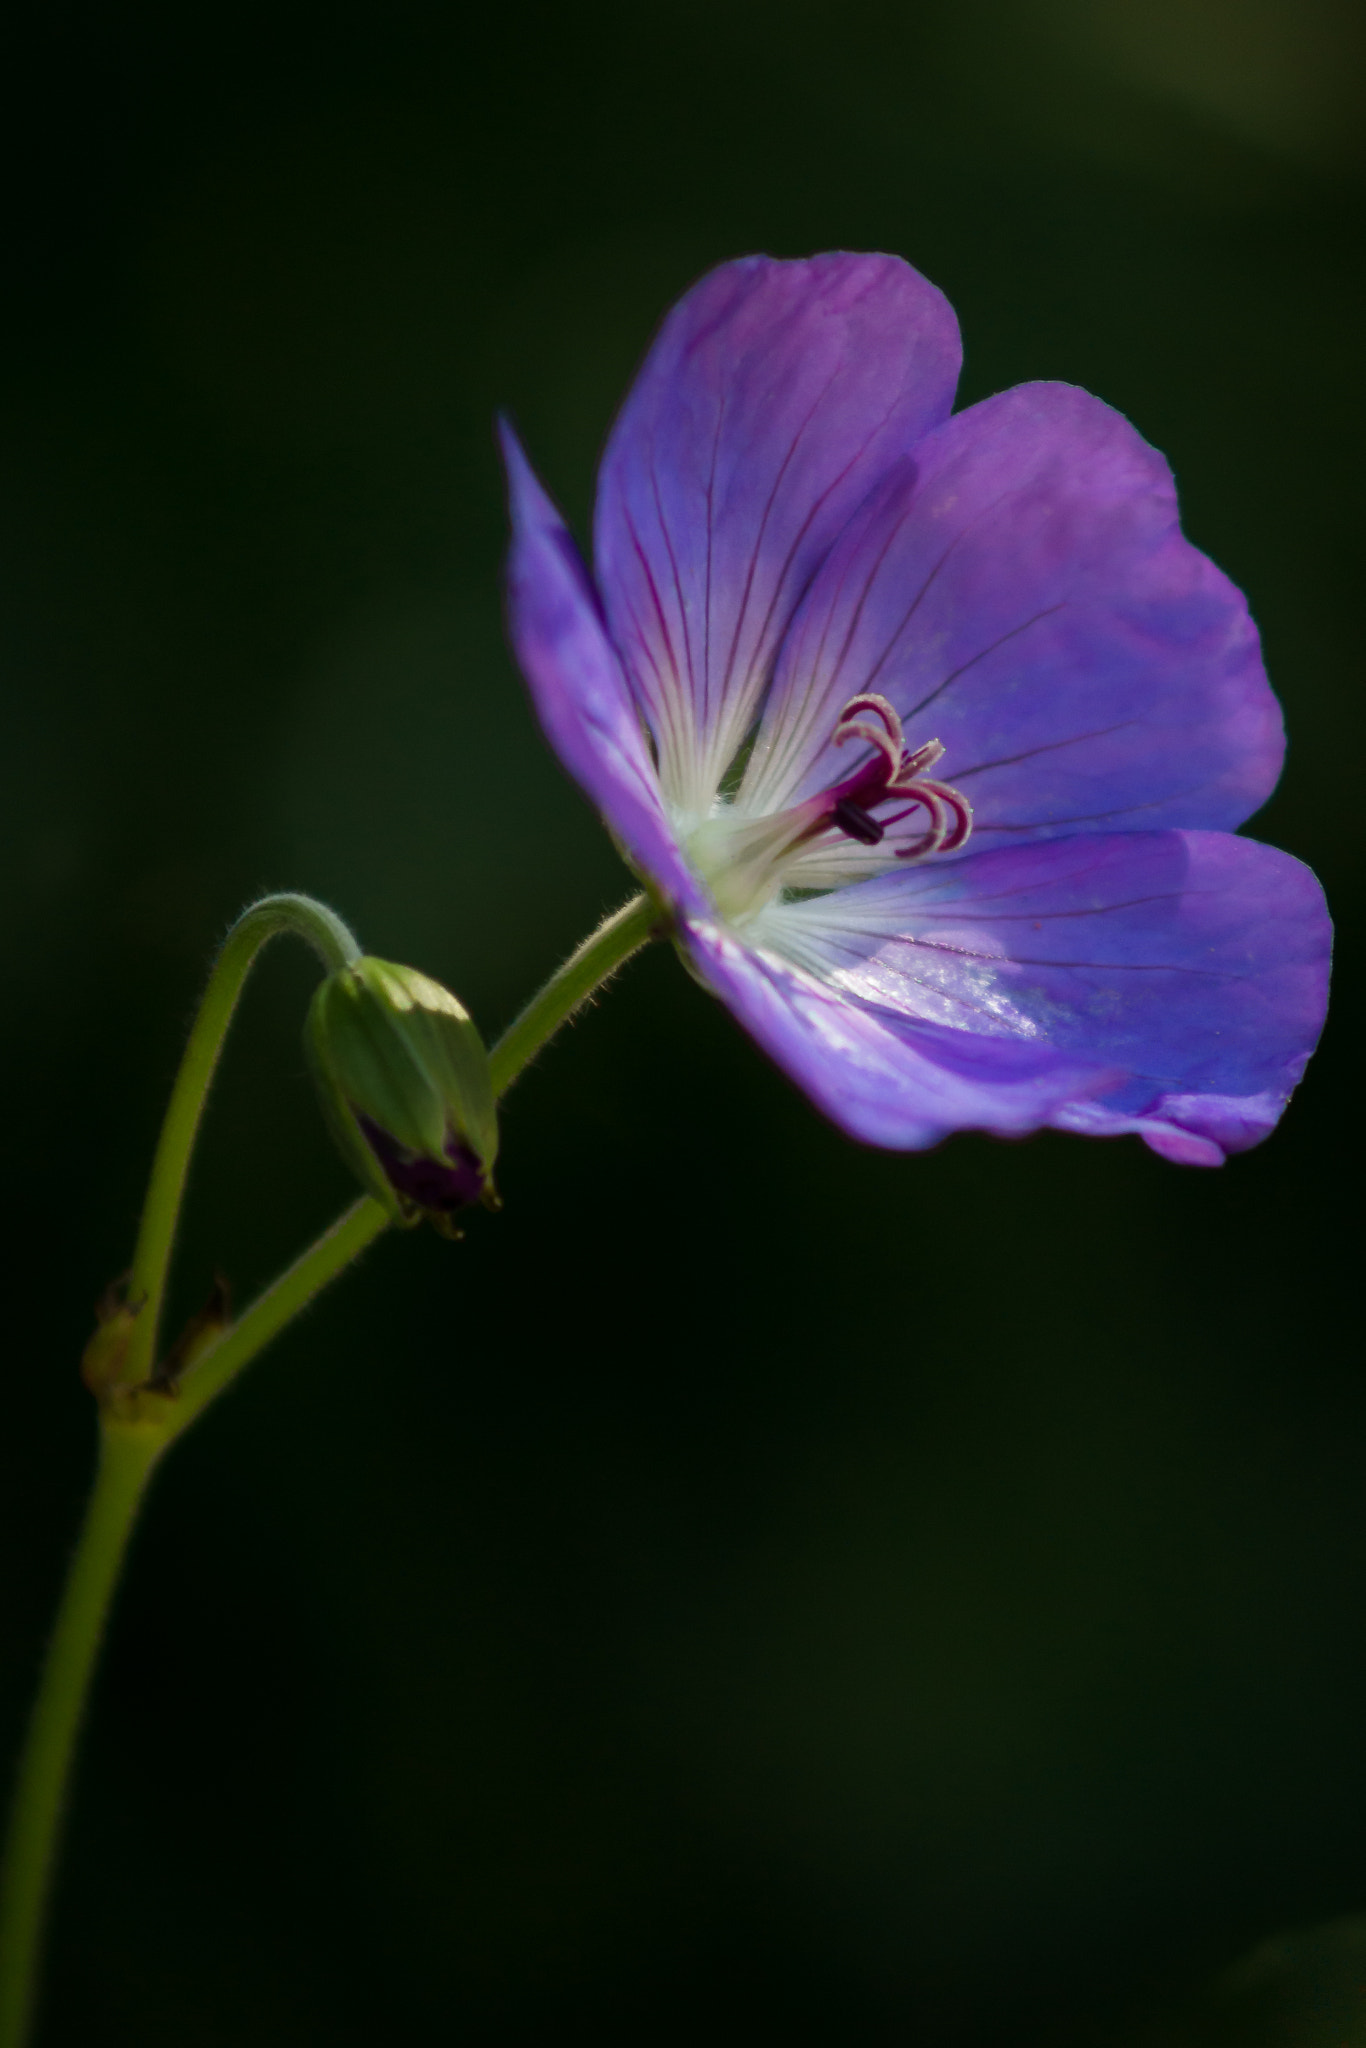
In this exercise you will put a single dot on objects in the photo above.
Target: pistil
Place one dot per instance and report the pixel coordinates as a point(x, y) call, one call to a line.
point(894, 770)
point(746, 859)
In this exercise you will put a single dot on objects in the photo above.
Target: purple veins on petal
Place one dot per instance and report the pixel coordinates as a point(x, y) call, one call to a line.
point(834, 632)
point(771, 400)
point(876, 1079)
point(1192, 965)
point(1024, 585)
point(577, 682)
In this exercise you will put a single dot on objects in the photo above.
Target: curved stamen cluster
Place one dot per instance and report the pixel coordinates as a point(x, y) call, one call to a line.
point(894, 770)
point(747, 859)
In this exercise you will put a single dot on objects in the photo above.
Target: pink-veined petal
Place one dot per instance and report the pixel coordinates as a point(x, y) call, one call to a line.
point(1019, 588)
point(881, 1080)
point(1194, 965)
point(772, 398)
point(577, 685)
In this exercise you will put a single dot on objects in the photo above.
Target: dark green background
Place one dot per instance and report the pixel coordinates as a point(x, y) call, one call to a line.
point(753, 1587)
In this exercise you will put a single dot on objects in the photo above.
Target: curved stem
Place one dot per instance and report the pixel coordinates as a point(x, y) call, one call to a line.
point(599, 957)
point(126, 1459)
point(336, 947)
point(142, 1421)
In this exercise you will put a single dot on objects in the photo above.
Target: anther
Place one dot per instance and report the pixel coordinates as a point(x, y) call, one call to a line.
point(855, 821)
point(894, 770)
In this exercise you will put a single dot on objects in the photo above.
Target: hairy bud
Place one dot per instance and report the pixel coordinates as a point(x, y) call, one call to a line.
point(404, 1081)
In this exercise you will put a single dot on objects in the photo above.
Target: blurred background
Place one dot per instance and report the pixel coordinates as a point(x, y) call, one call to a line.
point(613, 1626)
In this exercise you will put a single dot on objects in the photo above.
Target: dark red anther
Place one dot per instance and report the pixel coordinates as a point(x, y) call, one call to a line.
point(853, 820)
point(894, 770)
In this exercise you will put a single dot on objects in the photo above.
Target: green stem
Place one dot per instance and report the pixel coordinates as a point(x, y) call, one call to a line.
point(143, 1422)
point(600, 955)
point(130, 1444)
point(126, 1459)
point(335, 946)
point(328, 1256)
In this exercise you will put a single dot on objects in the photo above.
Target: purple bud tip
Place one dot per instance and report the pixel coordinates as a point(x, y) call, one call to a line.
point(430, 1184)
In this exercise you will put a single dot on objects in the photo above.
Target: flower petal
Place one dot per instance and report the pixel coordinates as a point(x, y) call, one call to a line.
point(1194, 963)
point(578, 687)
point(1021, 590)
point(771, 400)
point(879, 1078)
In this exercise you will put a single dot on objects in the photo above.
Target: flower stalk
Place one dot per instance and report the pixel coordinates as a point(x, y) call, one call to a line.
point(585, 971)
point(125, 1464)
point(142, 1414)
point(272, 916)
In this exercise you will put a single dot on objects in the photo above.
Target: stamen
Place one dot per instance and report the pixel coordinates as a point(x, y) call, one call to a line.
point(855, 729)
point(923, 757)
point(855, 821)
point(880, 709)
point(747, 858)
point(959, 823)
point(894, 770)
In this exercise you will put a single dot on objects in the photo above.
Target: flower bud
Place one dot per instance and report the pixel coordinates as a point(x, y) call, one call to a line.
point(404, 1081)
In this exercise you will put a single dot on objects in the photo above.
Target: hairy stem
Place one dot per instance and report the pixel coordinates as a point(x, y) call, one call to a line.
point(326, 1258)
point(599, 957)
point(126, 1459)
point(142, 1421)
point(336, 947)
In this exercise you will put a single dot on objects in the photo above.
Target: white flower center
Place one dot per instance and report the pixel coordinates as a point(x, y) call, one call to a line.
point(747, 860)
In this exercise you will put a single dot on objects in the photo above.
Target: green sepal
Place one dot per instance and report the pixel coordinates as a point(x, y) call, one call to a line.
point(390, 1044)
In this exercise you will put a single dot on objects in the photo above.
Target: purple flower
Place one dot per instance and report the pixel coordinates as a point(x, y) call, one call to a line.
point(813, 588)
